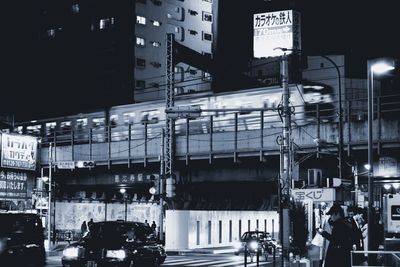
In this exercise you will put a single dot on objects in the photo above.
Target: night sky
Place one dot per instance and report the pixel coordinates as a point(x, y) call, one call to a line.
point(357, 28)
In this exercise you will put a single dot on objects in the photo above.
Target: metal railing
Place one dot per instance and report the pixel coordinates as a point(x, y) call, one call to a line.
point(379, 258)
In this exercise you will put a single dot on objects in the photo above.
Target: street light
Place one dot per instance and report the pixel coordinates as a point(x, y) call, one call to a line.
point(377, 66)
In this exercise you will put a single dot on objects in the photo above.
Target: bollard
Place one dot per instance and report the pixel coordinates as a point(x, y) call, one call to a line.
point(274, 256)
point(245, 255)
point(258, 257)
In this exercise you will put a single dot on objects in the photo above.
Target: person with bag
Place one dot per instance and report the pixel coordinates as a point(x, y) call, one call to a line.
point(340, 240)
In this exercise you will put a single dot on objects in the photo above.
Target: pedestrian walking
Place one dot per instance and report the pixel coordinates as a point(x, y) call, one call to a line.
point(90, 223)
point(84, 228)
point(153, 226)
point(356, 221)
point(340, 240)
point(146, 223)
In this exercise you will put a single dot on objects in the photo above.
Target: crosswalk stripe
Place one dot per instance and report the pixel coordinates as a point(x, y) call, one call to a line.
point(240, 263)
point(185, 262)
point(177, 260)
point(207, 263)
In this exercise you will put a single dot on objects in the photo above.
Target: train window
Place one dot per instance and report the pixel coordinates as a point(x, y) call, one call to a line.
point(33, 129)
point(50, 127)
point(65, 125)
point(113, 120)
point(18, 129)
point(98, 122)
point(128, 117)
point(81, 123)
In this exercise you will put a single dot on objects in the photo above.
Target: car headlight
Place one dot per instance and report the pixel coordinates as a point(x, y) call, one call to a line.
point(237, 245)
point(117, 254)
point(253, 245)
point(70, 252)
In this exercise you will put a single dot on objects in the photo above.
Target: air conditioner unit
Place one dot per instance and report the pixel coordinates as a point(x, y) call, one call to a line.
point(314, 177)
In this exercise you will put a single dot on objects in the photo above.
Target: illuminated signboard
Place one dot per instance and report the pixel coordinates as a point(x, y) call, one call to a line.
point(13, 184)
point(18, 151)
point(276, 29)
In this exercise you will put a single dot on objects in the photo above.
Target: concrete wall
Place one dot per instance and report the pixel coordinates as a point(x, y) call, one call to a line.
point(190, 229)
point(70, 215)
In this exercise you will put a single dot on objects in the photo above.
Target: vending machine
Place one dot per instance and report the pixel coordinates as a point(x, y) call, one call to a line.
point(391, 214)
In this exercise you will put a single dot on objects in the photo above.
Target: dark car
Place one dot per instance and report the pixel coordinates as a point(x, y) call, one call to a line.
point(21, 240)
point(115, 243)
point(255, 241)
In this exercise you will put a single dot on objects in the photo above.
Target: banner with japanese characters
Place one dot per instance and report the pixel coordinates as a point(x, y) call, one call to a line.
point(13, 184)
point(273, 30)
point(18, 151)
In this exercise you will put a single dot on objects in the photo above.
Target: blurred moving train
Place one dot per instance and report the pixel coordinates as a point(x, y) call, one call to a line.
point(151, 115)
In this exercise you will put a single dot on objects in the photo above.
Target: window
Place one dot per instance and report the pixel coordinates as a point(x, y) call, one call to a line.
point(207, 36)
point(257, 224)
point(51, 33)
point(198, 233)
point(156, 2)
point(106, 23)
point(248, 225)
point(140, 20)
point(65, 126)
point(207, 16)
point(220, 232)
point(155, 64)
point(230, 230)
point(50, 127)
point(206, 76)
point(140, 62)
point(75, 8)
point(209, 232)
point(34, 129)
point(140, 84)
point(210, 1)
point(81, 123)
point(155, 44)
point(192, 32)
point(140, 41)
point(240, 228)
point(98, 122)
point(128, 117)
point(156, 23)
point(265, 225)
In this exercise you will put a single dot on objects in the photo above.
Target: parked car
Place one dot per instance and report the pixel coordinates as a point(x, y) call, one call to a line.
point(21, 240)
point(115, 243)
point(255, 241)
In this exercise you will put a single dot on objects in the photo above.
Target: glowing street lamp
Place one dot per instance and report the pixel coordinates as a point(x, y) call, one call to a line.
point(377, 66)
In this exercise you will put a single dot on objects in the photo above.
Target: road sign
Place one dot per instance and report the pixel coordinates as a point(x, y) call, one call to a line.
point(65, 164)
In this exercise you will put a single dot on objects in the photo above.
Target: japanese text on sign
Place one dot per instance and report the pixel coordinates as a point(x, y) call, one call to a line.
point(13, 184)
point(18, 151)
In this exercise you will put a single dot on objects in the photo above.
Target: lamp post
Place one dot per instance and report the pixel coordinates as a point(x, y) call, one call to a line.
point(49, 200)
point(378, 66)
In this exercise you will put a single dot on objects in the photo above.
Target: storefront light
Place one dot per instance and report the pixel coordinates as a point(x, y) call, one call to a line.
point(387, 186)
point(396, 185)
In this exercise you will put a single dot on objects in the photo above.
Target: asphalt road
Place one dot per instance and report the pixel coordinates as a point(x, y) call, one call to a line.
point(199, 260)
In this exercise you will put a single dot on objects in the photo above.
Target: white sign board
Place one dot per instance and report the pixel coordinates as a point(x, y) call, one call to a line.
point(387, 166)
point(276, 29)
point(66, 164)
point(314, 194)
point(18, 151)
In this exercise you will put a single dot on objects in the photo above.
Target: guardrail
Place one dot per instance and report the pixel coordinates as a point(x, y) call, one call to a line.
point(377, 258)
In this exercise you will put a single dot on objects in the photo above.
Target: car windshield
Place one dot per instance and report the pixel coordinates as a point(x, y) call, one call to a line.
point(20, 226)
point(257, 235)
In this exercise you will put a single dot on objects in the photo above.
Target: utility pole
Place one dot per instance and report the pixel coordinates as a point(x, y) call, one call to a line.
point(170, 122)
point(49, 208)
point(161, 186)
point(286, 157)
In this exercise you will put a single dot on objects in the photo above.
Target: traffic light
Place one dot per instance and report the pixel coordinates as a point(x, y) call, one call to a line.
point(85, 164)
point(155, 189)
point(170, 187)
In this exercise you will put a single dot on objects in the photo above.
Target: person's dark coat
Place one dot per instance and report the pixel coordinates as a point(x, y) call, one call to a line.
point(340, 244)
point(358, 241)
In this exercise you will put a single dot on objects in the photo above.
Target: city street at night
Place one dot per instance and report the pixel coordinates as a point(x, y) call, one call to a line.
point(192, 133)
